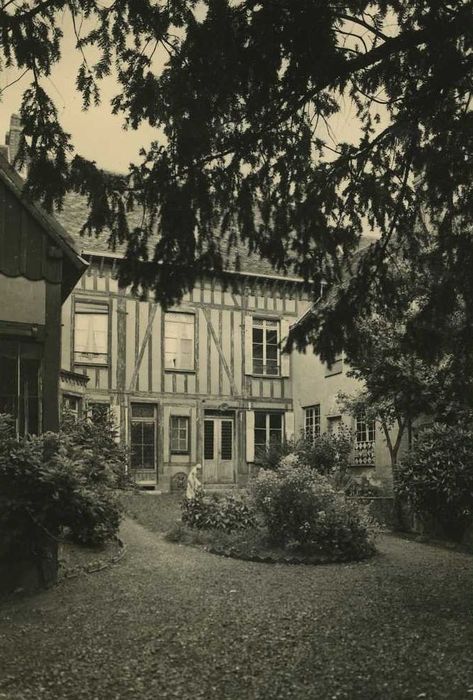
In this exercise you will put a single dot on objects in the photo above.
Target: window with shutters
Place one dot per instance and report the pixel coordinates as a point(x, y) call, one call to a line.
point(312, 421)
point(179, 341)
point(143, 437)
point(180, 442)
point(268, 431)
point(265, 346)
point(91, 333)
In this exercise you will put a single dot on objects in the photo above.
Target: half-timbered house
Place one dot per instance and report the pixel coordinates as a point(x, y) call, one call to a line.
point(204, 382)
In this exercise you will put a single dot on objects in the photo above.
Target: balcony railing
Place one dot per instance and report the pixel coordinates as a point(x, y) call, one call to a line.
point(363, 454)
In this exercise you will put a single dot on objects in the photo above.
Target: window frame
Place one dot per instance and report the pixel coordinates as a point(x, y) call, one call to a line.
point(141, 420)
point(190, 313)
point(265, 320)
point(369, 429)
point(309, 426)
point(179, 451)
point(268, 429)
point(95, 302)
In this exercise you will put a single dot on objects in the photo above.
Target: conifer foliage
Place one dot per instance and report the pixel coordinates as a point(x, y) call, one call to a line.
point(244, 103)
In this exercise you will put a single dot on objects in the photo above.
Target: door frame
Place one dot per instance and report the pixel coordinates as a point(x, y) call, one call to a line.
point(213, 415)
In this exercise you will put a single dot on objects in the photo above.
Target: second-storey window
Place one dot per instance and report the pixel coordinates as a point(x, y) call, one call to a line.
point(179, 341)
point(266, 346)
point(91, 333)
point(180, 435)
point(312, 422)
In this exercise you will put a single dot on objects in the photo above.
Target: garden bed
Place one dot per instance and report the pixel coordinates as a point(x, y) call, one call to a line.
point(254, 545)
point(75, 560)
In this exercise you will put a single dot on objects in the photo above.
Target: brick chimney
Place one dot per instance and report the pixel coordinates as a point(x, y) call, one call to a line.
point(12, 137)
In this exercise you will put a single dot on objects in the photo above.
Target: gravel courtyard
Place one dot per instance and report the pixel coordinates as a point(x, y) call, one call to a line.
point(175, 622)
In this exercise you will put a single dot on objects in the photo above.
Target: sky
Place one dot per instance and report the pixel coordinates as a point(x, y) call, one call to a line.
point(97, 134)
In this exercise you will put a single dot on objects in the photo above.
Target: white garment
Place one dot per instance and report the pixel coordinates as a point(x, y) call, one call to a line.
point(193, 483)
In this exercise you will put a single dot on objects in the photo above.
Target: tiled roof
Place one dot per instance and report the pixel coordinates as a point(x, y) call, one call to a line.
point(74, 214)
point(239, 258)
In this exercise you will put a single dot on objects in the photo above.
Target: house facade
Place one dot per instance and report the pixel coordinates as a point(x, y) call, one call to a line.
point(204, 382)
point(39, 266)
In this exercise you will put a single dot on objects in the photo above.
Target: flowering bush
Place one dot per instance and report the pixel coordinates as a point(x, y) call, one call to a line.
point(436, 476)
point(215, 512)
point(45, 484)
point(300, 508)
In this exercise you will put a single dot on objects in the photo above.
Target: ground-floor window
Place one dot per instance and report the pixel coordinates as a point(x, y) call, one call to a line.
point(312, 421)
point(143, 438)
point(73, 405)
point(98, 411)
point(180, 432)
point(268, 431)
point(20, 366)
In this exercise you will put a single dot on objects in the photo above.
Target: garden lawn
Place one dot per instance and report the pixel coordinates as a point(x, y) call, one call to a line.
point(171, 621)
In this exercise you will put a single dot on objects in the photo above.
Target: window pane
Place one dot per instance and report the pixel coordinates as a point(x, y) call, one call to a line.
point(91, 333)
point(272, 337)
point(260, 420)
point(142, 410)
point(208, 439)
point(275, 437)
point(258, 335)
point(275, 421)
point(227, 439)
point(260, 437)
point(272, 353)
point(179, 434)
point(179, 341)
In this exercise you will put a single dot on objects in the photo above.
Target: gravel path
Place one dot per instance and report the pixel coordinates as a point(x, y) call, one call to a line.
point(175, 622)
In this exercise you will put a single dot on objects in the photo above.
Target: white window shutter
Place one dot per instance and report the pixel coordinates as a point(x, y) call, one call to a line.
point(285, 357)
point(248, 344)
point(250, 436)
point(289, 425)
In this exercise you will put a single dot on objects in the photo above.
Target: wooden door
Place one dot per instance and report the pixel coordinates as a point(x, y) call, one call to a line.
point(218, 450)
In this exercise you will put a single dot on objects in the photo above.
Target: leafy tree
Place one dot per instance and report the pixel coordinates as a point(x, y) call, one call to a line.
point(244, 101)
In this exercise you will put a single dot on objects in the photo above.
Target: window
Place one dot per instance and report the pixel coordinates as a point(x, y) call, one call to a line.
point(20, 366)
point(91, 333)
point(312, 422)
point(365, 429)
point(265, 346)
point(72, 404)
point(143, 437)
point(180, 435)
point(179, 341)
point(336, 368)
point(98, 412)
point(268, 430)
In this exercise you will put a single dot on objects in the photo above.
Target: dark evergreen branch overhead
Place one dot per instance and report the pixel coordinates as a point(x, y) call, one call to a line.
point(245, 107)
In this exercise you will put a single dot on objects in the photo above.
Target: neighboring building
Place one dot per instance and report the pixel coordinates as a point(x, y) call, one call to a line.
point(39, 266)
point(316, 386)
point(205, 382)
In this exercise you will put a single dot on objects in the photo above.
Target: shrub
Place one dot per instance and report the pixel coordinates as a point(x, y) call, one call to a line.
point(326, 452)
point(437, 477)
point(301, 509)
point(270, 457)
point(103, 459)
point(227, 513)
point(45, 484)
